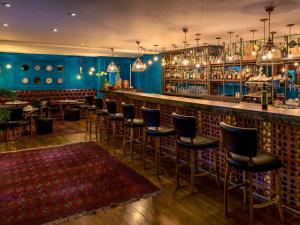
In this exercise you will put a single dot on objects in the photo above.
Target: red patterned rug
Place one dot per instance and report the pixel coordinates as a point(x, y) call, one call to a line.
point(56, 183)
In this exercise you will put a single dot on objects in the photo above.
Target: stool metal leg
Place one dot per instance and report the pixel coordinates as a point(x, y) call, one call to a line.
point(245, 188)
point(216, 167)
point(124, 142)
point(113, 134)
point(177, 164)
point(251, 208)
point(131, 142)
point(156, 157)
point(278, 194)
point(193, 170)
point(226, 186)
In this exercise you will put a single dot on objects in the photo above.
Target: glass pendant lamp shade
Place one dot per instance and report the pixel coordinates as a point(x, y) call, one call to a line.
point(269, 53)
point(138, 65)
point(112, 68)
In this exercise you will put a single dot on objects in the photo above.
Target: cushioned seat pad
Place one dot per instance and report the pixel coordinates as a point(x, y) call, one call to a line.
point(135, 123)
point(160, 132)
point(102, 112)
point(116, 116)
point(261, 163)
point(199, 142)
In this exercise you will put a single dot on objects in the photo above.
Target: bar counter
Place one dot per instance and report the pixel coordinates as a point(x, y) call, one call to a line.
point(278, 132)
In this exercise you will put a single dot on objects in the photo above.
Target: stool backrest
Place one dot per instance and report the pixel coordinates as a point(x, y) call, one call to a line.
point(99, 103)
point(151, 117)
point(240, 141)
point(128, 111)
point(89, 100)
point(185, 126)
point(111, 106)
point(16, 114)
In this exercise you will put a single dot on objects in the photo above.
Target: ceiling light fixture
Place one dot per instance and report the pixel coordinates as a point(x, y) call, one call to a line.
point(5, 24)
point(54, 30)
point(270, 53)
point(7, 5)
point(8, 66)
point(155, 58)
point(112, 68)
point(254, 53)
point(185, 61)
point(138, 65)
point(73, 14)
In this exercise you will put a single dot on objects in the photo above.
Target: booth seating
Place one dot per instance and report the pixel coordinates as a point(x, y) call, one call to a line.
point(44, 125)
point(30, 95)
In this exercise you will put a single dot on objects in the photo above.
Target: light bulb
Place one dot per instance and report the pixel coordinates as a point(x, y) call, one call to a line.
point(290, 56)
point(273, 49)
point(254, 53)
point(155, 58)
point(230, 58)
point(138, 66)
point(92, 69)
point(78, 77)
point(269, 55)
point(204, 63)
point(218, 60)
point(175, 57)
point(150, 62)
point(283, 69)
point(264, 57)
point(8, 66)
point(296, 64)
point(247, 70)
point(173, 62)
point(197, 65)
point(185, 62)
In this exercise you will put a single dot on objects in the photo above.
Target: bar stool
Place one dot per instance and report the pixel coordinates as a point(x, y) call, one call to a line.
point(154, 129)
point(130, 122)
point(90, 119)
point(187, 138)
point(242, 153)
point(102, 114)
point(113, 118)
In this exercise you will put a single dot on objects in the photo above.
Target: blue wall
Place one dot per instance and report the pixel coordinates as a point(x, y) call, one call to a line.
point(149, 81)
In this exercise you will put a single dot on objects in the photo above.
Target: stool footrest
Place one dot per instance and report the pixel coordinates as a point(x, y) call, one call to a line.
point(266, 203)
point(236, 186)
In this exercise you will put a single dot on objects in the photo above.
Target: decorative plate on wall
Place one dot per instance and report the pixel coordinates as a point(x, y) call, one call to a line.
point(60, 68)
point(49, 68)
point(37, 80)
point(37, 67)
point(25, 80)
point(60, 80)
point(48, 80)
point(25, 67)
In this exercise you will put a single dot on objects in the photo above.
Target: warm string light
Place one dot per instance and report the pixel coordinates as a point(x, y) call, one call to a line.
point(185, 61)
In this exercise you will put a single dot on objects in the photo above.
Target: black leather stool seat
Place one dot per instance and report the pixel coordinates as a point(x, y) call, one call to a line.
point(262, 162)
point(116, 116)
point(199, 142)
point(102, 112)
point(160, 131)
point(135, 123)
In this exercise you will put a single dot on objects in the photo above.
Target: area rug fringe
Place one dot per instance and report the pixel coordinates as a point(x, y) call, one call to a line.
point(93, 212)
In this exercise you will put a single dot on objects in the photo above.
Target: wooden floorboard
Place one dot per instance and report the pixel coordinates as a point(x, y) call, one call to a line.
point(171, 206)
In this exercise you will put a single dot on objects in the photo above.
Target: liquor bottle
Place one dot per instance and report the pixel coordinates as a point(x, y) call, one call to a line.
point(264, 98)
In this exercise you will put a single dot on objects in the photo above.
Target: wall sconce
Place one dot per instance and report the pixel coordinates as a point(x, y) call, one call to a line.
point(8, 66)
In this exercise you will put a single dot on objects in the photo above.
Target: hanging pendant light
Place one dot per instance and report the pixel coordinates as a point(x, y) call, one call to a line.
point(112, 68)
point(185, 60)
point(155, 58)
point(138, 65)
point(270, 53)
point(78, 77)
point(230, 56)
point(289, 41)
point(253, 53)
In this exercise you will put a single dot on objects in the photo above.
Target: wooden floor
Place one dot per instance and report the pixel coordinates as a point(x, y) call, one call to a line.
point(172, 206)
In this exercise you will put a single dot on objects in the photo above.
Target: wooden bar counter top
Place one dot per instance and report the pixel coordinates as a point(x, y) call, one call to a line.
point(278, 133)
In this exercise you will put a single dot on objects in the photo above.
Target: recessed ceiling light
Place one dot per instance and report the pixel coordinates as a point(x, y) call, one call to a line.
point(5, 25)
point(7, 5)
point(72, 14)
point(55, 30)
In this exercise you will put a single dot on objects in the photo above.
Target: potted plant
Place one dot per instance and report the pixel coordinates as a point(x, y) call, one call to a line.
point(4, 112)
